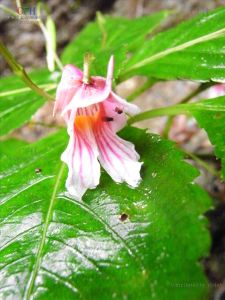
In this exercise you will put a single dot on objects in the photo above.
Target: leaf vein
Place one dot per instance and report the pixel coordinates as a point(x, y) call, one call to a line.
point(107, 227)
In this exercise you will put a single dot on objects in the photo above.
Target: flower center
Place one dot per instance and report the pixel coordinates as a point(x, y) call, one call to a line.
point(87, 116)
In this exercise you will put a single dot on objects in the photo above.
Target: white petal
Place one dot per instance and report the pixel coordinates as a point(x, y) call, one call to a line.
point(81, 158)
point(87, 95)
point(68, 86)
point(118, 157)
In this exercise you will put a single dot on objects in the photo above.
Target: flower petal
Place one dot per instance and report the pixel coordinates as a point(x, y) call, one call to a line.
point(117, 156)
point(90, 94)
point(115, 111)
point(95, 92)
point(68, 86)
point(81, 158)
point(129, 108)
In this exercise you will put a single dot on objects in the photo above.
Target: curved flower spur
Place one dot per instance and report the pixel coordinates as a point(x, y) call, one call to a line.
point(93, 114)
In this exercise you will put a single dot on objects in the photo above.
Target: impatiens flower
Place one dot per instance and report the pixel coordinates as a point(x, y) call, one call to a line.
point(94, 113)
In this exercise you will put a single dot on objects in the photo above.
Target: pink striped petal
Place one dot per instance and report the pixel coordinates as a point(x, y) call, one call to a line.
point(129, 108)
point(95, 92)
point(117, 156)
point(90, 94)
point(70, 83)
point(81, 157)
point(116, 112)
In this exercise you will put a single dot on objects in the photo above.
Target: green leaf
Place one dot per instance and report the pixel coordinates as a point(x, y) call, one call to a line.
point(192, 50)
point(110, 35)
point(17, 102)
point(9, 145)
point(213, 121)
point(118, 243)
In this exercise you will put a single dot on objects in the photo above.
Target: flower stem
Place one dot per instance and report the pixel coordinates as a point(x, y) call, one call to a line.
point(88, 57)
point(159, 112)
point(58, 61)
point(202, 87)
point(20, 72)
point(150, 82)
point(49, 32)
point(46, 86)
point(18, 3)
point(9, 10)
point(173, 110)
point(202, 163)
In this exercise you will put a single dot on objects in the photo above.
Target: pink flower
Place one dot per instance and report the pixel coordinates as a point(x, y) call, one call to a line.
point(94, 113)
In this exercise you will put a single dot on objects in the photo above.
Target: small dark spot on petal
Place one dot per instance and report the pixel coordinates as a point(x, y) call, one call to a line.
point(118, 110)
point(107, 119)
point(38, 171)
point(123, 217)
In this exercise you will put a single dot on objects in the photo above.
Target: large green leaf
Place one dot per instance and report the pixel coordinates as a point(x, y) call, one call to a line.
point(118, 243)
point(110, 35)
point(17, 102)
point(9, 145)
point(192, 50)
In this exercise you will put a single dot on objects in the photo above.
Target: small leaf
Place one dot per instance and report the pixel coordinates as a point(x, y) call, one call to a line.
point(117, 242)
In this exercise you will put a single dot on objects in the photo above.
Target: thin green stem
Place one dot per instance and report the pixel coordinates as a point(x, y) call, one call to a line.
point(88, 58)
point(20, 72)
point(202, 87)
point(47, 87)
point(167, 126)
point(19, 3)
point(20, 8)
point(149, 83)
point(159, 112)
point(8, 10)
point(45, 33)
point(202, 163)
point(58, 61)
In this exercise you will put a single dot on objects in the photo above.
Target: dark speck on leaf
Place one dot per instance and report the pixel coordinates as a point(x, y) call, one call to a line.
point(123, 217)
point(38, 171)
